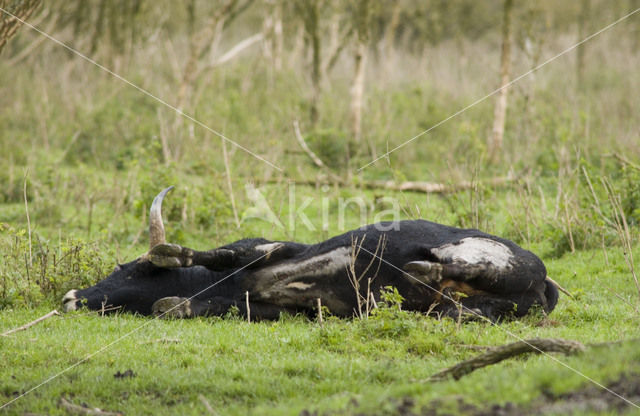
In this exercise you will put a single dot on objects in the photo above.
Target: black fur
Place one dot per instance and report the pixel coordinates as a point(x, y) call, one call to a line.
point(219, 278)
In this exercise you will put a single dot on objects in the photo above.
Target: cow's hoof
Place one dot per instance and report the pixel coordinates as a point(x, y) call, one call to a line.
point(170, 256)
point(424, 271)
point(172, 307)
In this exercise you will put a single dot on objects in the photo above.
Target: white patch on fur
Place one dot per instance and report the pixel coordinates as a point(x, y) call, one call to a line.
point(265, 248)
point(69, 300)
point(320, 265)
point(299, 285)
point(475, 250)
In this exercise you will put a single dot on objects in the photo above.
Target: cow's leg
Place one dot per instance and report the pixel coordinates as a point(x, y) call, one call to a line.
point(433, 272)
point(425, 272)
point(243, 253)
point(174, 255)
point(477, 263)
point(474, 283)
point(180, 307)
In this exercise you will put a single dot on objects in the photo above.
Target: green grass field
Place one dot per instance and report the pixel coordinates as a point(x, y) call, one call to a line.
point(286, 366)
point(82, 155)
point(371, 366)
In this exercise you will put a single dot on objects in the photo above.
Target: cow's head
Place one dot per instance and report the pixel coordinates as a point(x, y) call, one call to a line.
point(133, 286)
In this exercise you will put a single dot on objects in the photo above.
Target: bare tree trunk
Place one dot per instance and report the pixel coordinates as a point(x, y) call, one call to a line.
point(272, 34)
point(389, 40)
point(199, 42)
point(278, 38)
point(313, 30)
point(583, 19)
point(334, 32)
point(635, 4)
point(298, 51)
point(357, 91)
point(361, 24)
point(499, 117)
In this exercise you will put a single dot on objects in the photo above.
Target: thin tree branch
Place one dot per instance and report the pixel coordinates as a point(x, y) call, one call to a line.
point(32, 323)
point(239, 47)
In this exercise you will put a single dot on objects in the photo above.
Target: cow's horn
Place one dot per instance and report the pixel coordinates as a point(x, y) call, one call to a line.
point(156, 228)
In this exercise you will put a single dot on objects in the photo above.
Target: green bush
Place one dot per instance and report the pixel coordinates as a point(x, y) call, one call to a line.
point(37, 270)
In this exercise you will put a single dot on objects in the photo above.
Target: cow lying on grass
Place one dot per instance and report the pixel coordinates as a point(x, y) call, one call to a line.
point(436, 268)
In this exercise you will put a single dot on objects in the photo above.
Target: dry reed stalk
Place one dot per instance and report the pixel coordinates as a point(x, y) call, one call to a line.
point(9, 24)
point(354, 279)
point(227, 169)
point(26, 209)
point(319, 306)
point(207, 405)
point(622, 229)
point(246, 299)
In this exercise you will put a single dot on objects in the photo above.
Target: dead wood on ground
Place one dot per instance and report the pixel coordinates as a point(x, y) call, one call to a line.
point(30, 324)
point(503, 352)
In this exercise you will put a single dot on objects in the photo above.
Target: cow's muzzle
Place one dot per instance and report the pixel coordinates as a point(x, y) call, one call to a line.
point(70, 301)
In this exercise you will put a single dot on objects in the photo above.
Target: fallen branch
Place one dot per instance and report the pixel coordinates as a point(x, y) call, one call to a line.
point(84, 409)
point(497, 354)
point(32, 323)
point(409, 186)
point(434, 187)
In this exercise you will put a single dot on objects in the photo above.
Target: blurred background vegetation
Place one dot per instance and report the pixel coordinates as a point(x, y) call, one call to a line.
point(82, 153)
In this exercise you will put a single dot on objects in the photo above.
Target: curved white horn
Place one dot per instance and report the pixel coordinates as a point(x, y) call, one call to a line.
point(156, 228)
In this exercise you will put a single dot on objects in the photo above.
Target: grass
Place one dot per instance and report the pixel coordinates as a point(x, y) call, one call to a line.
point(285, 367)
point(293, 364)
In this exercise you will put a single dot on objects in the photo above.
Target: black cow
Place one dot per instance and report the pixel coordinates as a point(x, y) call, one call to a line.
point(436, 268)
